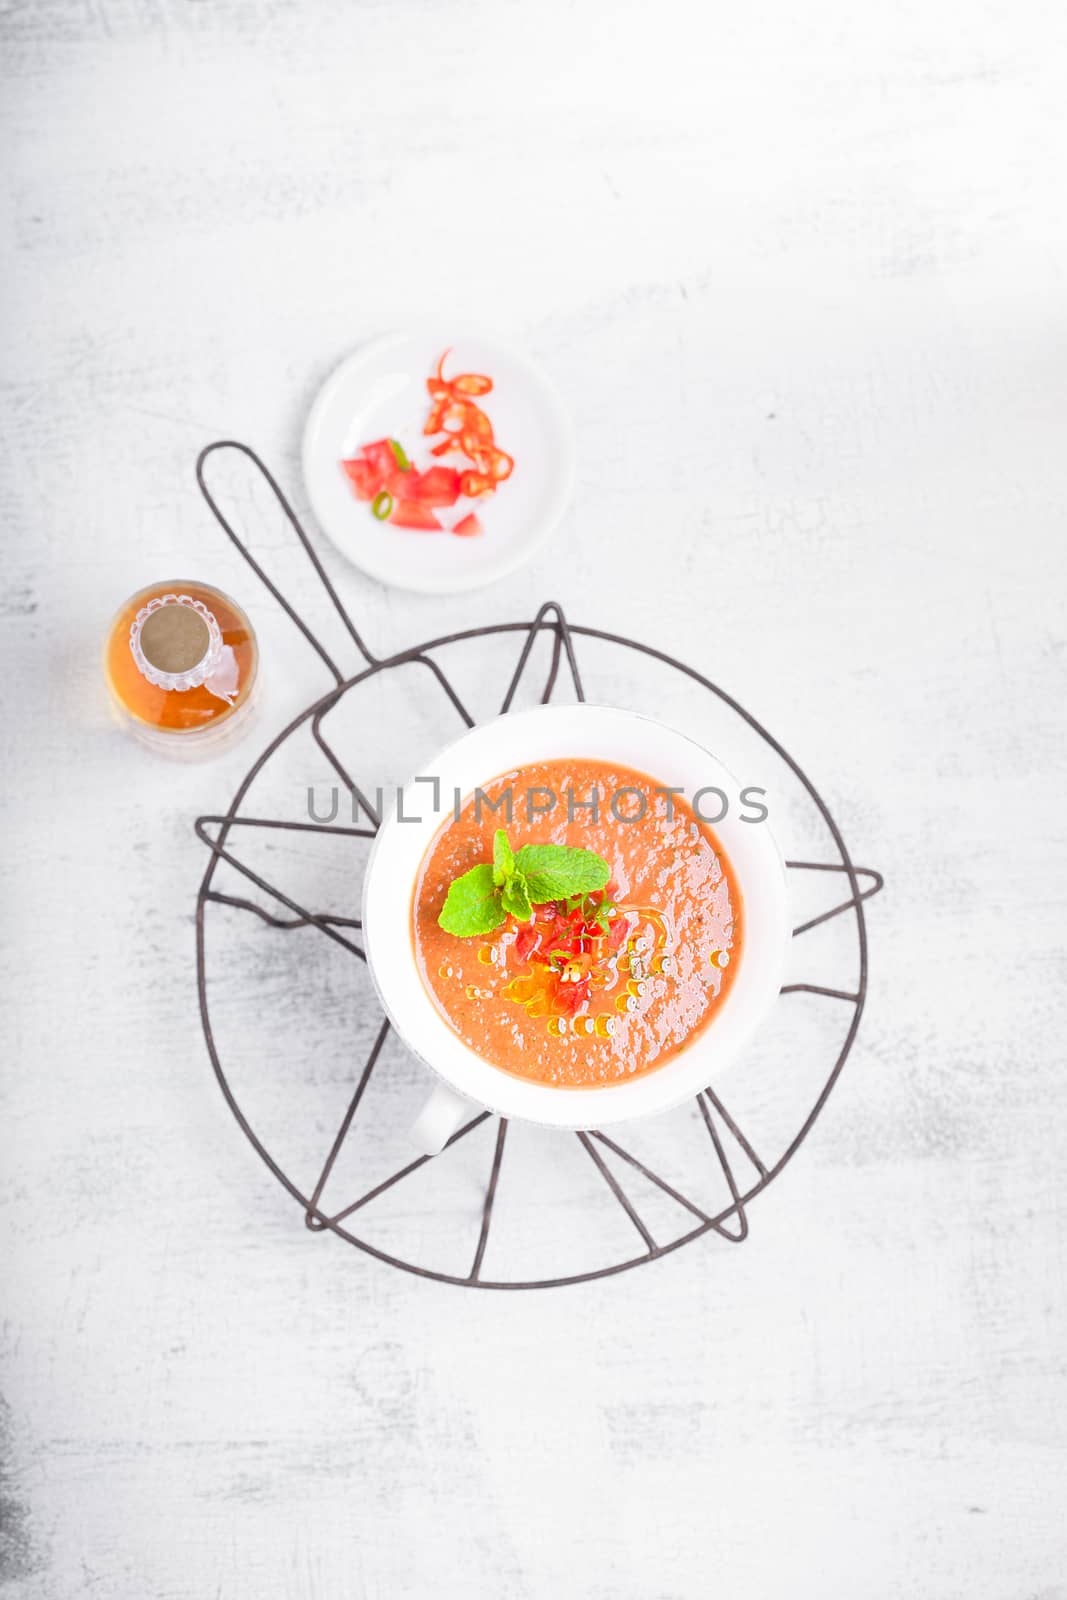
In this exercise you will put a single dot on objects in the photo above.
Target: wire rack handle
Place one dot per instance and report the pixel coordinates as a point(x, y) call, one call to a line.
point(301, 533)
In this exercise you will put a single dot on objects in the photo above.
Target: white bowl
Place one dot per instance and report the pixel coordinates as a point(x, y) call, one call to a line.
point(380, 392)
point(557, 733)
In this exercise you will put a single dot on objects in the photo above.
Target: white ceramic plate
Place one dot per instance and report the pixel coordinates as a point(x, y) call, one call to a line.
point(555, 733)
point(380, 392)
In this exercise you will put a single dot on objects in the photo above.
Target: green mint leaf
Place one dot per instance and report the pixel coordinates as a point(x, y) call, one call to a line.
point(515, 898)
point(472, 905)
point(503, 858)
point(555, 872)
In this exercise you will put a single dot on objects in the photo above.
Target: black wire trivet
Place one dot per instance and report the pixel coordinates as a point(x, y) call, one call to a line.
point(731, 1221)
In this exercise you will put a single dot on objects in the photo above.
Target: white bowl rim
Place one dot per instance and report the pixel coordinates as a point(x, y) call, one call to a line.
point(760, 872)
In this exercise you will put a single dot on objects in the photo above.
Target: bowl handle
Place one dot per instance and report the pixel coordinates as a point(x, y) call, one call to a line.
point(438, 1120)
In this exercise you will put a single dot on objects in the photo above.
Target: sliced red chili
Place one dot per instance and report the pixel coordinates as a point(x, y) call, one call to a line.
point(481, 459)
point(472, 484)
point(477, 424)
point(455, 419)
point(471, 383)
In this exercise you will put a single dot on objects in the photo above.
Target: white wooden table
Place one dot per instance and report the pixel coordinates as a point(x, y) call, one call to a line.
point(799, 274)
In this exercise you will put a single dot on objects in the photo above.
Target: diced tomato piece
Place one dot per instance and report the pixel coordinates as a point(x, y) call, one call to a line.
point(468, 526)
point(402, 485)
point(526, 941)
point(573, 995)
point(380, 455)
point(438, 486)
point(410, 514)
point(617, 932)
point(365, 478)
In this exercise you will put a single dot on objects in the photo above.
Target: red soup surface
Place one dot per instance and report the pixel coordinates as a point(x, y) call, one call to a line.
point(592, 993)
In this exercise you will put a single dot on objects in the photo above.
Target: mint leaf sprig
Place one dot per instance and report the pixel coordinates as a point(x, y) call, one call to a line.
point(517, 880)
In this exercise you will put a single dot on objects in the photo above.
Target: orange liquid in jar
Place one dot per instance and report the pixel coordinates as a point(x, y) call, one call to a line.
point(181, 711)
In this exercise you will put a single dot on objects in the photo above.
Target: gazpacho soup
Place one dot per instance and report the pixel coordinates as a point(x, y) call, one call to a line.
point(575, 945)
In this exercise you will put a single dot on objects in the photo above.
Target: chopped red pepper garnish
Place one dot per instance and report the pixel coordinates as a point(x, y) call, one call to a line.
point(382, 473)
point(572, 996)
point(476, 424)
point(472, 484)
point(471, 383)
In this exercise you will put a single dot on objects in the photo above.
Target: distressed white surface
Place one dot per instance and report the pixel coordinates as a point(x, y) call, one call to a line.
point(800, 273)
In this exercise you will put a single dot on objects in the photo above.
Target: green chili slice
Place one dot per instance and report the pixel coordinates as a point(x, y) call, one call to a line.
point(401, 459)
point(382, 504)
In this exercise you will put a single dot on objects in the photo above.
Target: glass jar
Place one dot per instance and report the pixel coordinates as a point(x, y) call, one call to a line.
point(182, 666)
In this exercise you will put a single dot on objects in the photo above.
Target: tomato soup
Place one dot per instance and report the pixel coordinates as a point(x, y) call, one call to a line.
point(598, 988)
